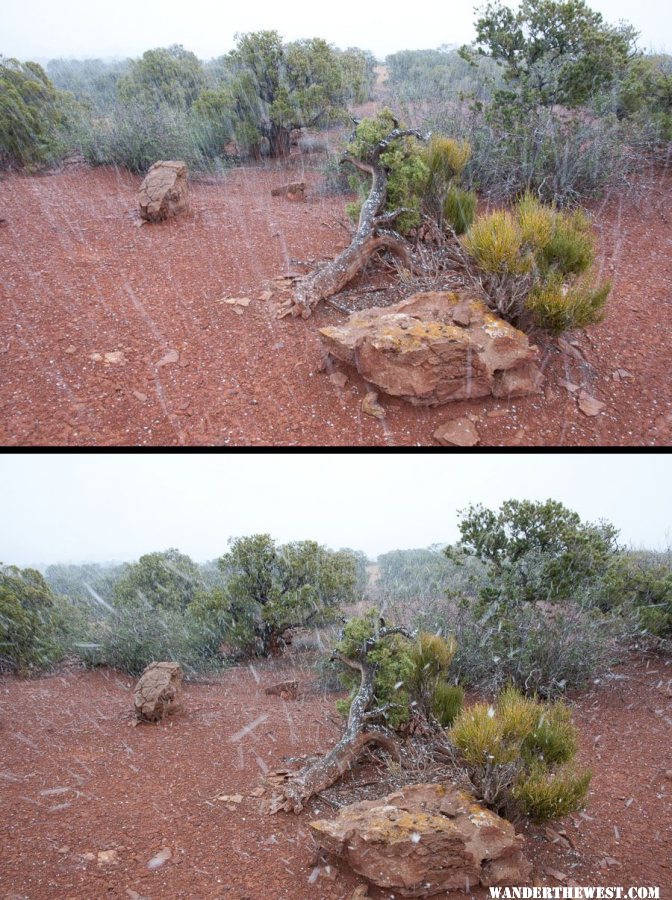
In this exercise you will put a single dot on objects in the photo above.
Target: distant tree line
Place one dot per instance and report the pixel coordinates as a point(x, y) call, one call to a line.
point(170, 104)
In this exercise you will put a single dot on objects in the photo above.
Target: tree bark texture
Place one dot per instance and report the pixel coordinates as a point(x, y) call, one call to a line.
point(371, 236)
point(322, 774)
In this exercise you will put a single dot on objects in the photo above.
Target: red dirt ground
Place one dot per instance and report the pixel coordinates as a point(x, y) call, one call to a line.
point(77, 779)
point(79, 279)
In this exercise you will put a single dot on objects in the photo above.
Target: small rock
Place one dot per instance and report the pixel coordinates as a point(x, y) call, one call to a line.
point(64, 850)
point(115, 358)
point(70, 349)
point(140, 396)
point(96, 357)
point(457, 432)
point(339, 379)
point(361, 892)
point(89, 857)
point(567, 348)
point(258, 792)
point(107, 856)
point(668, 774)
point(620, 375)
point(496, 413)
point(570, 386)
point(238, 310)
point(158, 692)
point(371, 407)
point(288, 690)
point(172, 356)
point(230, 798)
point(134, 895)
point(237, 301)
point(557, 876)
point(161, 857)
point(590, 406)
point(265, 295)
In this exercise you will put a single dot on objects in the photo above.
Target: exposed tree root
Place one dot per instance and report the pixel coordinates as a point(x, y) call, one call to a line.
point(372, 235)
point(323, 773)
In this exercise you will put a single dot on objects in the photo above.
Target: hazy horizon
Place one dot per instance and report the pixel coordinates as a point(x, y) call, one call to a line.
point(74, 29)
point(79, 508)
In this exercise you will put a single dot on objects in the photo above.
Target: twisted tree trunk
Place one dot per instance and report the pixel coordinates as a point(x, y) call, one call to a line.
point(323, 773)
point(371, 235)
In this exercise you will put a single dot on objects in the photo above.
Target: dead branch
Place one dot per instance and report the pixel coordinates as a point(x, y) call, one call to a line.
point(322, 774)
point(369, 238)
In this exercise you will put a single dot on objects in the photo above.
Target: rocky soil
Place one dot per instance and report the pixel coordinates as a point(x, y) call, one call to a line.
point(95, 807)
point(114, 334)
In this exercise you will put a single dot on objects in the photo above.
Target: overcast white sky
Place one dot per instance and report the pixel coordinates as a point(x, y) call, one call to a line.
point(79, 508)
point(43, 29)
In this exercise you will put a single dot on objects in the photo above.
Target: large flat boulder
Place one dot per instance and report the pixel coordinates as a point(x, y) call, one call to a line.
point(436, 347)
point(164, 192)
point(425, 839)
point(158, 692)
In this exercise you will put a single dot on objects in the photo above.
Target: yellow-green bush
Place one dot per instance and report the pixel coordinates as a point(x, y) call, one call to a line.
point(535, 263)
point(556, 307)
point(459, 209)
point(496, 244)
point(518, 756)
point(447, 702)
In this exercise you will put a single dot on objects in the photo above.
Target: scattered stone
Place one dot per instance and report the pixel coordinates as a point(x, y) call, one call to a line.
point(425, 839)
point(236, 301)
point(172, 356)
point(258, 792)
point(115, 358)
point(134, 895)
point(557, 876)
point(518, 436)
point(107, 856)
point(140, 396)
point(497, 413)
point(371, 407)
point(419, 350)
point(265, 295)
point(668, 774)
point(570, 350)
point(458, 433)
point(287, 690)
point(361, 892)
point(158, 692)
point(238, 310)
point(96, 357)
point(161, 857)
point(556, 838)
point(620, 375)
point(63, 850)
point(570, 386)
point(295, 190)
point(590, 406)
point(164, 192)
point(71, 349)
point(89, 857)
point(339, 379)
point(230, 798)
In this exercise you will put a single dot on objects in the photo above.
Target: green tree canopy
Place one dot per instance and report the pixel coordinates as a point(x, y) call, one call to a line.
point(169, 580)
point(172, 76)
point(534, 550)
point(33, 115)
point(272, 588)
point(26, 606)
point(275, 87)
point(559, 51)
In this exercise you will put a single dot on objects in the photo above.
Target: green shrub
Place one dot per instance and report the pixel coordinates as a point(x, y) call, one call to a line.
point(447, 702)
point(496, 244)
point(137, 635)
point(459, 209)
point(540, 650)
point(34, 116)
point(556, 308)
point(409, 676)
point(28, 626)
point(639, 582)
point(518, 754)
point(534, 264)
